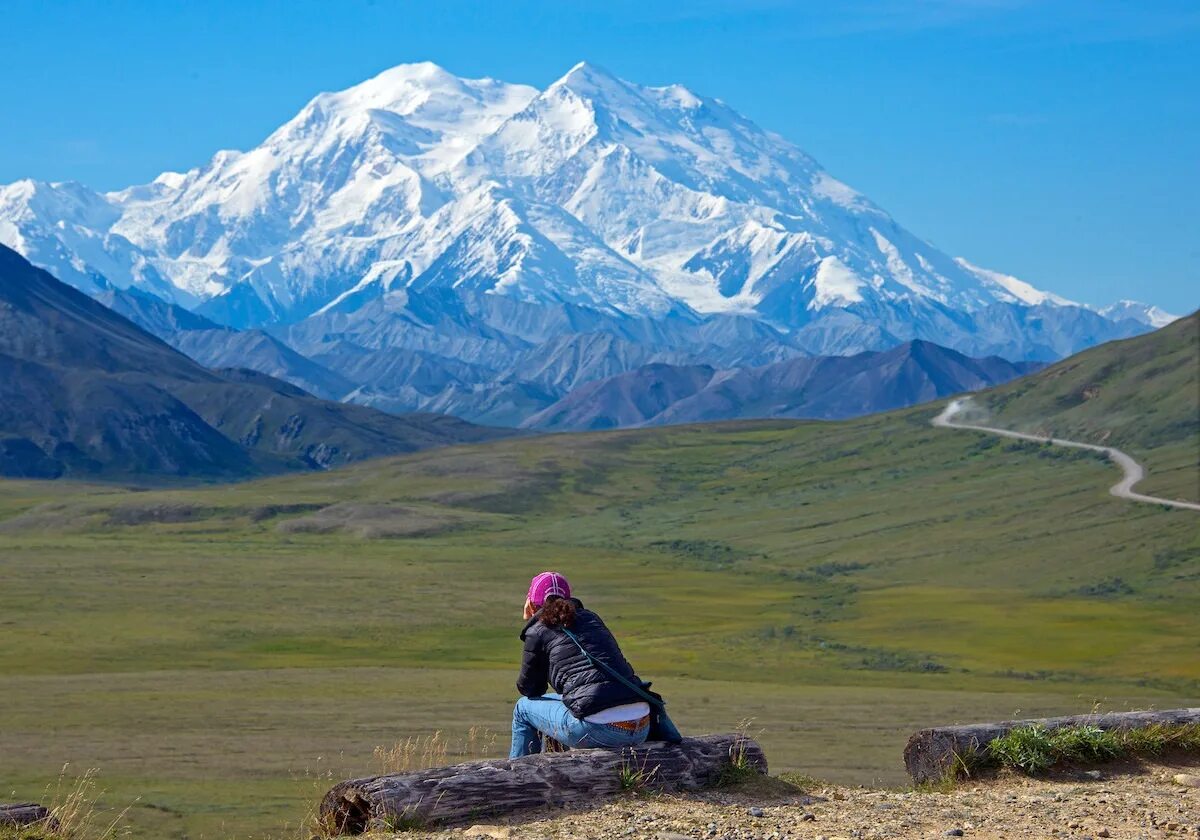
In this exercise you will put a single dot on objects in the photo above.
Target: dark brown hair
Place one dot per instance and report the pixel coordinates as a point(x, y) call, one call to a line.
point(557, 612)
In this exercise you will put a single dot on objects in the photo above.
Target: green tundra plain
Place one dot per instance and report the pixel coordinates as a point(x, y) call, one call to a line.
point(222, 654)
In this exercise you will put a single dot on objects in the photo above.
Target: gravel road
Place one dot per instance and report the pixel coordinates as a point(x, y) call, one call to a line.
point(1132, 471)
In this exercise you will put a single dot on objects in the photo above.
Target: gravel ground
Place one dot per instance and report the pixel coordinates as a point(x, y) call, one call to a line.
point(1126, 802)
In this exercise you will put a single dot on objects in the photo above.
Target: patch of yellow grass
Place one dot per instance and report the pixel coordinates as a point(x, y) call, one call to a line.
point(436, 750)
point(75, 812)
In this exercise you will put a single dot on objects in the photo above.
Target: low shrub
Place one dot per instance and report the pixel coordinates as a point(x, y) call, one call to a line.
point(1035, 749)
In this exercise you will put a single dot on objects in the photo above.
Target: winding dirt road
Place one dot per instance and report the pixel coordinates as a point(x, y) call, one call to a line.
point(1132, 470)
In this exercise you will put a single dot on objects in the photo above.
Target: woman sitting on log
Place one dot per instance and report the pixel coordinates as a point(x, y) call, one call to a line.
point(593, 707)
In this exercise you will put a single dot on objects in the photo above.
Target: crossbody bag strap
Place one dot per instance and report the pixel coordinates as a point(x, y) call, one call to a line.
point(641, 692)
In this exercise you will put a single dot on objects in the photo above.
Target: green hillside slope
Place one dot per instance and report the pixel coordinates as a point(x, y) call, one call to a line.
point(1141, 395)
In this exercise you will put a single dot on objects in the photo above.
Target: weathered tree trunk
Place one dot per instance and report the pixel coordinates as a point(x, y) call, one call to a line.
point(933, 754)
point(468, 791)
point(26, 813)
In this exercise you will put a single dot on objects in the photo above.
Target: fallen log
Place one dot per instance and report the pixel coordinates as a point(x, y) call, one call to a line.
point(26, 813)
point(933, 754)
point(478, 788)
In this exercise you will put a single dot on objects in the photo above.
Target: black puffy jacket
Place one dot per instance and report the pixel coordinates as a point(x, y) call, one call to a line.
point(551, 657)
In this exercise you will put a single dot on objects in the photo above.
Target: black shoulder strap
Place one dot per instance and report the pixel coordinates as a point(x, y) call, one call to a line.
point(641, 692)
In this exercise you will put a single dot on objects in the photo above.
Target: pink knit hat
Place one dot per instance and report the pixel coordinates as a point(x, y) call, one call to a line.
point(547, 584)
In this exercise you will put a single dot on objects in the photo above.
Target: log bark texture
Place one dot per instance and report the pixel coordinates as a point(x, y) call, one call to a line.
point(933, 754)
point(478, 788)
point(26, 813)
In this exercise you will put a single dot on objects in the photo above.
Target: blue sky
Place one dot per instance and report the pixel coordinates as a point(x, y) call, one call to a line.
point(1058, 141)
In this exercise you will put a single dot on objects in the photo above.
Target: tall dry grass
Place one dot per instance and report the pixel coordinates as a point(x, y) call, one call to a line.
point(425, 751)
point(75, 812)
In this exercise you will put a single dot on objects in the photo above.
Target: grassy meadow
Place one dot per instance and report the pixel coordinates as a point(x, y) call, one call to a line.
point(223, 652)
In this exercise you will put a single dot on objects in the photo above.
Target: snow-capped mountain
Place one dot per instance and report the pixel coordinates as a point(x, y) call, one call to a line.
point(1143, 313)
point(595, 195)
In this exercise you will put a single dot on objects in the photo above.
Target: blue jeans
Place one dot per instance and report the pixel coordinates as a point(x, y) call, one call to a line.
point(534, 717)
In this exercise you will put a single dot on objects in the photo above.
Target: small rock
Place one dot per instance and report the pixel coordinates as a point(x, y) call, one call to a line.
point(808, 816)
point(756, 812)
point(954, 832)
point(1187, 779)
point(672, 835)
point(1102, 832)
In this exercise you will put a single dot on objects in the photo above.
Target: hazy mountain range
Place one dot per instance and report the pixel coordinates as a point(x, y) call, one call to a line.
point(85, 392)
point(824, 387)
point(422, 242)
point(588, 380)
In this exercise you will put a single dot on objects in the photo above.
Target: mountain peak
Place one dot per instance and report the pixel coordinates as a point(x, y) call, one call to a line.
point(406, 87)
point(1135, 310)
point(588, 69)
point(424, 74)
point(588, 79)
point(419, 69)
